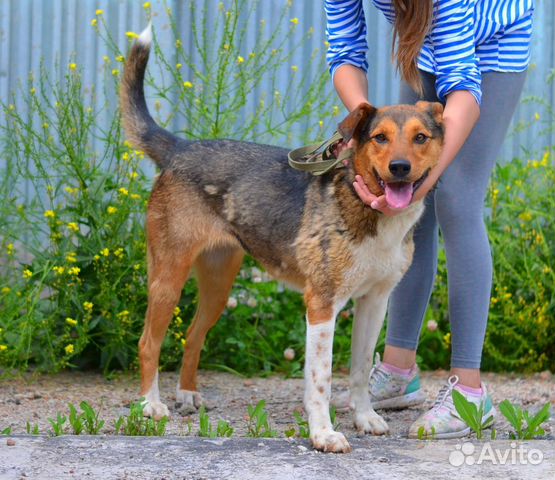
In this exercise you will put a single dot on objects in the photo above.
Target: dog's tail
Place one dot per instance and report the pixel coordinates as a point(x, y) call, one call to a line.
point(140, 128)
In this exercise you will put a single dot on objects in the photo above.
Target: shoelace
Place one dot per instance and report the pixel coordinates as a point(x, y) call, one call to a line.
point(376, 374)
point(444, 396)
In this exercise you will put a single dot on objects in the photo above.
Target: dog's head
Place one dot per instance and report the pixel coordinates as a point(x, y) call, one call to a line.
point(396, 147)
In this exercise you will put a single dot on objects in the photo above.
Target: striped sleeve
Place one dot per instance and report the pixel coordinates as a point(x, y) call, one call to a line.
point(346, 34)
point(453, 44)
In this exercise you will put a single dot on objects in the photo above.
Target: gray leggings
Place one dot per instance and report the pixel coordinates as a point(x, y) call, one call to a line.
point(456, 207)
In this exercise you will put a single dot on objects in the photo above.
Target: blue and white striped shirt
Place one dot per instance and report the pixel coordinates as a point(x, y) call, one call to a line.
point(466, 38)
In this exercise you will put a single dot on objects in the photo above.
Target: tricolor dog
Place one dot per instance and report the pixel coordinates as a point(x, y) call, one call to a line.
point(214, 200)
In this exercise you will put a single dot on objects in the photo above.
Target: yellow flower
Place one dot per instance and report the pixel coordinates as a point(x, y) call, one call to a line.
point(10, 249)
point(447, 338)
point(295, 68)
point(178, 66)
point(118, 253)
point(94, 22)
point(50, 214)
point(69, 349)
point(88, 306)
point(133, 175)
point(123, 191)
point(111, 210)
point(106, 59)
point(176, 311)
point(294, 21)
point(240, 59)
point(99, 12)
point(320, 123)
point(73, 227)
point(59, 270)
point(178, 43)
point(120, 59)
point(146, 5)
point(135, 196)
point(3, 348)
point(115, 72)
point(74, 271)
point(71, 191)
point(525, 216)
point(105, 252)
point(71, 321)
point(123, 314)
point(335, 111)
point(183, 342)
point(11, 107)
point(187, 84)
point(33, 91)
point(131, 35)
point(7, 290)
point(140, 153)
point(536, 116)
point(27, 274)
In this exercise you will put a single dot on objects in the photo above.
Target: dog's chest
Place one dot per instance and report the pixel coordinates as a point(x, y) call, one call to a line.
point(380, 261)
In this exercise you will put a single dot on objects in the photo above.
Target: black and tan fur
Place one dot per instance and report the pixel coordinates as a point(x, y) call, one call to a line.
point(215, 200)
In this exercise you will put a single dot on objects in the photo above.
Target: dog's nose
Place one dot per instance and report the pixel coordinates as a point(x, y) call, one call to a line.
point(399, 168)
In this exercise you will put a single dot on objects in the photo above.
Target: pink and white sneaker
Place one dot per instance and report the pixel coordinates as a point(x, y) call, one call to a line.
point(443, 421)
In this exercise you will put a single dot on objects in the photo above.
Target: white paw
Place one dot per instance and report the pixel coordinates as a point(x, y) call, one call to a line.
point(156, 410)
point(370, 422)
point(187, 401)
point(330, 441)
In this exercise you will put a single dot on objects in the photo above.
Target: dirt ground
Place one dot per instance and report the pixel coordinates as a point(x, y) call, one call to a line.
point(35, 399)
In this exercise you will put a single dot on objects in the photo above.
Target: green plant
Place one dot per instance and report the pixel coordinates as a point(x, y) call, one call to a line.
point(258, 424)
point(32, 430)
point(518, 417)
point(6, 431)
point(87, 420)
point(135, 424)
point(422, 433)
point(75, 420)
point(58, 424)
point(223, 428)
point(471, 414)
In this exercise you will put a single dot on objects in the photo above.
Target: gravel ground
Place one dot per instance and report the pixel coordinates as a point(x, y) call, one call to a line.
point(37, 398)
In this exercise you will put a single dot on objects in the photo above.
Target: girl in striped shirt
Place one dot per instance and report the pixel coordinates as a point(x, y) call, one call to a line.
point(472, 56)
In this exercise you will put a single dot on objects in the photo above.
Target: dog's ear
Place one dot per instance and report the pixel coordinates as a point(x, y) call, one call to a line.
point(435, 109)
point(353, 123)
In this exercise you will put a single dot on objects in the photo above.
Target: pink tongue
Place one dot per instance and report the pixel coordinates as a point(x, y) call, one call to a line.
point(398, 195)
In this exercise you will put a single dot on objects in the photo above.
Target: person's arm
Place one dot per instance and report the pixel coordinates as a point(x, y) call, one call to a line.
point(351, 85)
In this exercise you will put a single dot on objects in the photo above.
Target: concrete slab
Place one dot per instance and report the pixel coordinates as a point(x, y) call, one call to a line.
point(138, 458)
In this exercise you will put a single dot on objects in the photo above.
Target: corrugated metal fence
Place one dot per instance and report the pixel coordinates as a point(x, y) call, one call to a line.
point(56, 32)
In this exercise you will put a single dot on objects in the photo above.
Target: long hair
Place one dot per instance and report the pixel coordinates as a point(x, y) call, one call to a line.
point(413, 19)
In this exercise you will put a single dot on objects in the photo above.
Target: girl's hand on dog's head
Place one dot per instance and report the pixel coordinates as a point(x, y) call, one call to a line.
point(341, 146)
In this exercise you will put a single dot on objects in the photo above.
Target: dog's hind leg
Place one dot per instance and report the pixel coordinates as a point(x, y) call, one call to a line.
point(216, 270)
point(167, 275)
point(321, 313)
point(369, 316)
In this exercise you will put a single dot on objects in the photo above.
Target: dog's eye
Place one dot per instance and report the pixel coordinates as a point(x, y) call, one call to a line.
point(420, 138)
point(380, 138)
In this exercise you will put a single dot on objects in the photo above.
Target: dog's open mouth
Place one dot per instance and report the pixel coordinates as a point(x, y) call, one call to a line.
point(398, 195)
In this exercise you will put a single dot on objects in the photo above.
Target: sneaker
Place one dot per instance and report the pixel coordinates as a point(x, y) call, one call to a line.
point(443, 421)
point(388, 389)
point(393, 390)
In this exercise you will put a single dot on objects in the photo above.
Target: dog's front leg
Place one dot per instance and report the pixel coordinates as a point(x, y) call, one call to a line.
point(369, 315)
point(318, 367)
